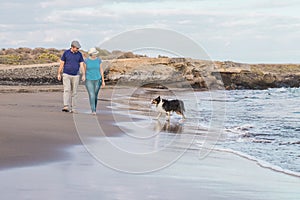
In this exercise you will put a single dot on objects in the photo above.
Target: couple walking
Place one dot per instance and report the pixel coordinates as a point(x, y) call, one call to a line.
point(92, 73)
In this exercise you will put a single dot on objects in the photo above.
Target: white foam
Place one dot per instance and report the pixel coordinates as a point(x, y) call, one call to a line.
point(260, 162)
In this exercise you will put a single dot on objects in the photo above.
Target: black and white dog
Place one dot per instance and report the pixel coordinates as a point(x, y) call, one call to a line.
point(168, 106)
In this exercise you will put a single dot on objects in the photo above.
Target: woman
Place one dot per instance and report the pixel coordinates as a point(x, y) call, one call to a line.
point(94, 77)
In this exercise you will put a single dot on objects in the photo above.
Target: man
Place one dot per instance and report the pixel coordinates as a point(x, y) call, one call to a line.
point(70, 64)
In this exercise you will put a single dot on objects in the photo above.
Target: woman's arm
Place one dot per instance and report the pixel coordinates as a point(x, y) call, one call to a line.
point(102, 75)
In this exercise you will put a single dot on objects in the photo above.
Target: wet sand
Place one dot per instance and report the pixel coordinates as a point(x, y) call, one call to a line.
point(34, 130)
point(42, 156)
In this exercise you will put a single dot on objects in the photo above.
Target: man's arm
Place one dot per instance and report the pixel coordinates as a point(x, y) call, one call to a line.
point(60, 68)
point(83, 70)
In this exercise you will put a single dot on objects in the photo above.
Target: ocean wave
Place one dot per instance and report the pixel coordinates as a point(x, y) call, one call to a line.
point(289, 143)
point(262, 123)
point(260, 162)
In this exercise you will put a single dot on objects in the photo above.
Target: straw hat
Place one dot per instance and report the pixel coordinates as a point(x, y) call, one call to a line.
point(93, 51)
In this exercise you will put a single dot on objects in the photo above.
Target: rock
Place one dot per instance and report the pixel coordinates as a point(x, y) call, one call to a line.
point(43, 74)
point(166, 72)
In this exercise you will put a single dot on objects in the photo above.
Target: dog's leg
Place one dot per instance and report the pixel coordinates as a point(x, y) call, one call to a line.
point(167, 126)
point(183, 116)
point(180, 113)
point(158, 116)
point(168, 113)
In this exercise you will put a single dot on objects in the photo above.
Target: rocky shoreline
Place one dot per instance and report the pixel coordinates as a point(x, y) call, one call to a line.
point(167, 72)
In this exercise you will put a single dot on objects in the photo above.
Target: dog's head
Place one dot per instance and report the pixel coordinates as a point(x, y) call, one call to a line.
point(156, 101)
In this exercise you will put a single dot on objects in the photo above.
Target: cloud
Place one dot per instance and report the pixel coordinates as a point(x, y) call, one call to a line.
point(225, 28)
point(69, 4)
point(77, 16)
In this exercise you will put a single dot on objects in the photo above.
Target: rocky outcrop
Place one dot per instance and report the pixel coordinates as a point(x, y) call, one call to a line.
point(163, 72)
point(259, 76)
point(168, 72)
point(183, 72)
point(24, 75)
point(39, 74)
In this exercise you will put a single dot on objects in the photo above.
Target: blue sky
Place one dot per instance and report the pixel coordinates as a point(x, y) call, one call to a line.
point(250, 31)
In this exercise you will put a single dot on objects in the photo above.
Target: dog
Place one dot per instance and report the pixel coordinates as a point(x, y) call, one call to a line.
point(168, 106)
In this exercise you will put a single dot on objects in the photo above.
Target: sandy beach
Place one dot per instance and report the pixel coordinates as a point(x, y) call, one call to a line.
point(48, 154)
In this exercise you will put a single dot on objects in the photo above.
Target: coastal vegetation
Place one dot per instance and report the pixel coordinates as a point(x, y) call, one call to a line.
point(28, 56)
point(24, 66)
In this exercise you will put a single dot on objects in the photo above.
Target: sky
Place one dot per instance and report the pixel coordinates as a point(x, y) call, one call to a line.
point(248, 31)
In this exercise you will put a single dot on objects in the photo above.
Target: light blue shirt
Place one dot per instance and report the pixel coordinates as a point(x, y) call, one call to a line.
point(93, 69)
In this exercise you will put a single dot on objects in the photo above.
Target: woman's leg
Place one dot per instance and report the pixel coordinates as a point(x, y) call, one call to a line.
point(90, 86)
point(97, 88)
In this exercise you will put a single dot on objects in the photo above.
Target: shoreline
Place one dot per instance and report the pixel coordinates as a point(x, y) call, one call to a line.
point(106, 115)
point(41, 143)
point(260, 163)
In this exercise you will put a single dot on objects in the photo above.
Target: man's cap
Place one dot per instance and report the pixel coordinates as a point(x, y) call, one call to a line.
point(75, 44)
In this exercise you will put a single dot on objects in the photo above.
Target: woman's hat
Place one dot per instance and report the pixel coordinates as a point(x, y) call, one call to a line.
point(93, 51)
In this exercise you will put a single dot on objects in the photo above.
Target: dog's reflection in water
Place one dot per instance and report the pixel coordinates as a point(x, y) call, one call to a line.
point(169, 127)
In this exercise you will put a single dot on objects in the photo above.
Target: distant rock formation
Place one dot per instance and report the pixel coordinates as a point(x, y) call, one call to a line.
point(259, 76)
point(168, 72)
point(37, 74)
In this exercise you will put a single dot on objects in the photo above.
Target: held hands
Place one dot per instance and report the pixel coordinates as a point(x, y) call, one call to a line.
point(83, 77)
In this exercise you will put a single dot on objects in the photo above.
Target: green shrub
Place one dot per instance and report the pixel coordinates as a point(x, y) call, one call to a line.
point(46, 57)
point(10, 59)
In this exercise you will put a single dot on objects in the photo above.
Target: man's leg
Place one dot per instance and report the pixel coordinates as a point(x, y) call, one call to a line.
point(75, 83)
point(67, 90)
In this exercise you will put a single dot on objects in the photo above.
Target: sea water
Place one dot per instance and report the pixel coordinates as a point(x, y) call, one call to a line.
point(262, 125)
point(265, 124)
